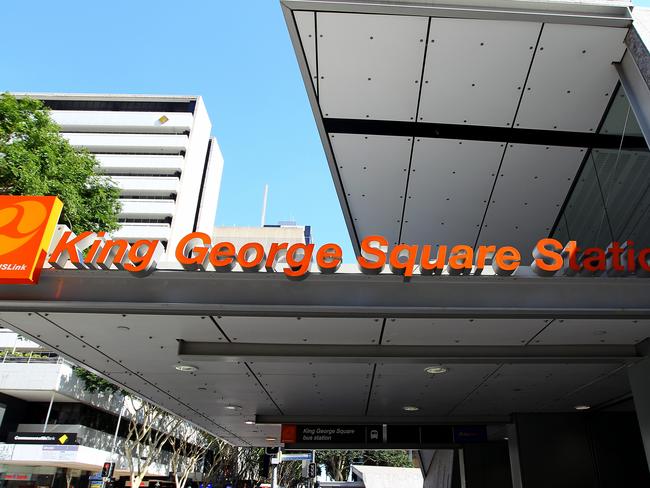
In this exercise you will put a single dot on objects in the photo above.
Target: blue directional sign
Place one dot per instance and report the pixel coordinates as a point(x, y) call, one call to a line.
point(298, 456)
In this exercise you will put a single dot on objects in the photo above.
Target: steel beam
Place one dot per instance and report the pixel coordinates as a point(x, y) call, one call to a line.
point(336, 295)
point(374, 420)
point(284, 353)
point(606, 14)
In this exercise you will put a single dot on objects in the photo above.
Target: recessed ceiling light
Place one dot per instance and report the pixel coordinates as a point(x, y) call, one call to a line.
point(202, 388)
point(435, 370)
point(187, 368)
point(410, 408)
point(232, 407)
point(250, 422)
point(123, 327)
point(505, 438)
point(582, 407)
point(271, 439)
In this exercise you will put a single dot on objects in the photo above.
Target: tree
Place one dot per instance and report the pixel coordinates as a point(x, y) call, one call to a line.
point(337, 461)
point(398, 458)
point(150, 428)
point(36, 160)
point(189, 446)
point(290, 474)
point(94, 383)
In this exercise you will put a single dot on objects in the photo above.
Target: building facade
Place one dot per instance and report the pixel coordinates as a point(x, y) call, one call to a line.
point(158, 150)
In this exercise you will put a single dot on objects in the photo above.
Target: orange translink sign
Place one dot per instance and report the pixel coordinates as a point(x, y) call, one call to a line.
point(27, 225)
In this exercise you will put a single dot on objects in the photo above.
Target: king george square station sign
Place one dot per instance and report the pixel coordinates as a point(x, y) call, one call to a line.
point(28, 226)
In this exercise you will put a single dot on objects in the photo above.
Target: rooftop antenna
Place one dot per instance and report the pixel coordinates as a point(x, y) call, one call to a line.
point(266, 194)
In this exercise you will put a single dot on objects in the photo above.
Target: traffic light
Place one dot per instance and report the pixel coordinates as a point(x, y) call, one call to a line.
point(107, 470)
point(312, 470)
point(266, 466)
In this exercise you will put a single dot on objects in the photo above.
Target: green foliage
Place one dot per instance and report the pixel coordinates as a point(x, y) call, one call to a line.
point(337, 461)
point(36, 160)
point(93, 383)
point(19, 354)
point(394, 457)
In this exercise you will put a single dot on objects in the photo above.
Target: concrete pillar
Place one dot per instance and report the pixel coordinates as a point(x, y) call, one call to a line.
point(639, 375)
point(513, 451)
point(437, 467)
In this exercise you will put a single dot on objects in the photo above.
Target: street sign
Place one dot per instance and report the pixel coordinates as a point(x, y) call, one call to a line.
point(382, 436)
point(324, 434)
point(469, 434)
point(298, 456)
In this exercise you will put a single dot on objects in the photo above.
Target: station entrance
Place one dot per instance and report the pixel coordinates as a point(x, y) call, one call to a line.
point(471, 368)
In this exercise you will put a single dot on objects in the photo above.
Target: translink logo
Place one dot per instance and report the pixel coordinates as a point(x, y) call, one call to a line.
point(27, 225)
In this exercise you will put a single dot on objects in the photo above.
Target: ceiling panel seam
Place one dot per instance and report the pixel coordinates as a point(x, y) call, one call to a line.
point(223, 333)
point(627, 396)
point(381, 333)
point(417, 111)
point(249, 368)
point(372, 382)
point(374, 367)
point(575, 181)
point(594, 381)
point(539, 332)
point(473, 390)
point(263, 388)
point(44, 317)
point(505, 146)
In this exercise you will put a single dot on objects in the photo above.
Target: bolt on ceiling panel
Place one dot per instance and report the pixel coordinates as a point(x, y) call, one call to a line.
point(155, 333)
point(448, 190)
point(334, 389)
point(362, 58)
point(531, 187)
point(475, 70)
point(373, 171)
point(306, 23)
point(301, 330)
point(463, 332)
point(611, 386)
point(528, 387)
point(572, 78)
point(51, 335)
point(595, 331)
point(434, 395)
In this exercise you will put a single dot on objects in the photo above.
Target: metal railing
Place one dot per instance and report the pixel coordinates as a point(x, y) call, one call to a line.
point(31, 357)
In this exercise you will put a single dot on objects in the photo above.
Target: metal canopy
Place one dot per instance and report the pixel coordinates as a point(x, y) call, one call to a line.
point(432, 116)
point(346, 348)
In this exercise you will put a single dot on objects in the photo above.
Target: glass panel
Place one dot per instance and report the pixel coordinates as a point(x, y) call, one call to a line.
point(611, 199)
point(585, 213)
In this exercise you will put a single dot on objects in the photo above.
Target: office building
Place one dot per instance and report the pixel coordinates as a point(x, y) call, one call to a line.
point(157, 150)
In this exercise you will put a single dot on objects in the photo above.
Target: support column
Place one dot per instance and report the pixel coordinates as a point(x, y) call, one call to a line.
point(513, 452)
point(437, 467)
point(639, 375)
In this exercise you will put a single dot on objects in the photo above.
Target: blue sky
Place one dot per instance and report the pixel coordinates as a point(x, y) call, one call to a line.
point(237, 55)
